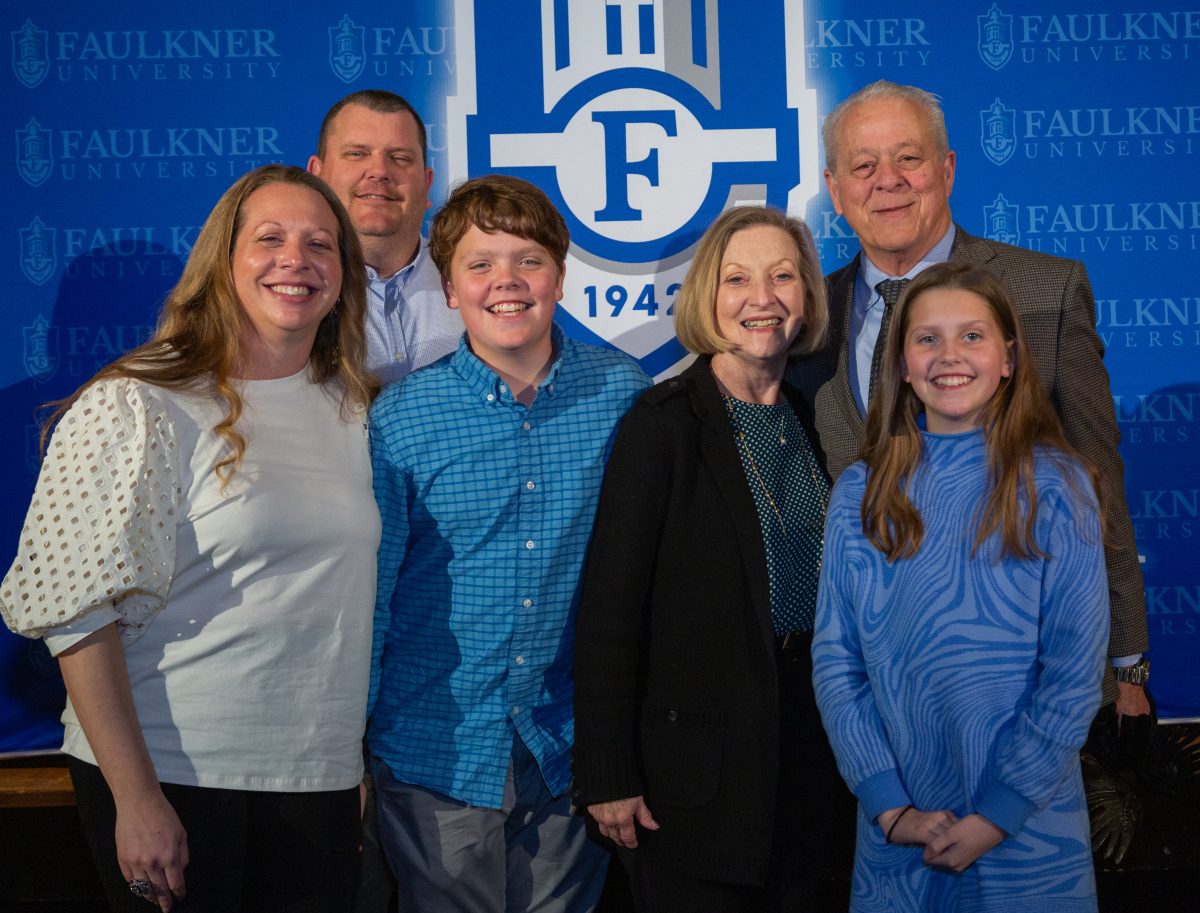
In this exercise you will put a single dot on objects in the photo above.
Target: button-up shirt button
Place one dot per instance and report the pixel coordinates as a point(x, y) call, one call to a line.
point(516, 710)
point(672, 715)
point(529, 543)
point(520, 660)
point(503, 389)
point(526, 426)
point(530, 485)
point(527, 603)
point(490, 397)
point(399, 356)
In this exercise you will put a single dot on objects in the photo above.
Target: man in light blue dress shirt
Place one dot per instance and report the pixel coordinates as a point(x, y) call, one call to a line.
point(372, 151)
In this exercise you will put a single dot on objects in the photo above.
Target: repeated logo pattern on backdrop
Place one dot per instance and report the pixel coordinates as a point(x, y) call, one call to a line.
point(1077, 131)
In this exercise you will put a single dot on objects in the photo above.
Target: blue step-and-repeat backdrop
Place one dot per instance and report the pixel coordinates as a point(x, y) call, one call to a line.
point(1076, 123)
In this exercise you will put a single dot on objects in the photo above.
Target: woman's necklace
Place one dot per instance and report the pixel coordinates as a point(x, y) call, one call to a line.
point(744, 444)
point(754, 468)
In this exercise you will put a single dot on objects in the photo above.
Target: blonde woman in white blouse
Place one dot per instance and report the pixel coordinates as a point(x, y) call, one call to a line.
point(200, 555)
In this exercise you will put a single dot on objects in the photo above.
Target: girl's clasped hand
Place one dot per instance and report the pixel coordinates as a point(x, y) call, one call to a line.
point(950, 842)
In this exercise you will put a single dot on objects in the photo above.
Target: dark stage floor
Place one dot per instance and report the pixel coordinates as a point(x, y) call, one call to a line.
point(45, 867)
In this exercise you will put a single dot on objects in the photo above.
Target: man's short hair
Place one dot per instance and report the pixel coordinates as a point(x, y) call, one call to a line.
point(926, 102)
point(381, 102)
point(497, 202)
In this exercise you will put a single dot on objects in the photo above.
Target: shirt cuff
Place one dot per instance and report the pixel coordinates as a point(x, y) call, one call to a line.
point(1006, 808)
point(64, 636)
point(882, 791)
point(1124, 662)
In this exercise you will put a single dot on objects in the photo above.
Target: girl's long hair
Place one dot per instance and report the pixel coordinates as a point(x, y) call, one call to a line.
point(1018, 419)
point(198, 342)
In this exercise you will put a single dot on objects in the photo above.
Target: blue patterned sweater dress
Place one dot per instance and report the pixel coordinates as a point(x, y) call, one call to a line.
point(966, 683)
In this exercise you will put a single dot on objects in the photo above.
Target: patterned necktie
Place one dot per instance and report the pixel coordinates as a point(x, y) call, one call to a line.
point(890, 289)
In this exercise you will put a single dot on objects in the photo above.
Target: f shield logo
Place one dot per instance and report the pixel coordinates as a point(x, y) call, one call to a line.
point(30, 54)
point(1003, 221)
point(641, 131)
point(995, 38)
point(346, 55)
point(998, 132)
point(35, 158)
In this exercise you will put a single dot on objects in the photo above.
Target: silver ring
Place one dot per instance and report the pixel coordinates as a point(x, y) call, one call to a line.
point(141, 887)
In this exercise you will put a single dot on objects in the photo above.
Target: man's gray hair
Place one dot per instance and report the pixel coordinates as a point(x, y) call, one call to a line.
point(927, 103)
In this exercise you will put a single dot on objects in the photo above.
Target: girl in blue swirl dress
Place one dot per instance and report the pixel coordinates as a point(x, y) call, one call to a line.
point(962, 620)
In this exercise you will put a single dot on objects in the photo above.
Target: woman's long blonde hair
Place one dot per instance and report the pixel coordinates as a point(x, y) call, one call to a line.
point(1017, 419)
point(199, 337)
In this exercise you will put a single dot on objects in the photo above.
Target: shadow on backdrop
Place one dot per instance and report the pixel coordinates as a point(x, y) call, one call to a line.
point(61, 351)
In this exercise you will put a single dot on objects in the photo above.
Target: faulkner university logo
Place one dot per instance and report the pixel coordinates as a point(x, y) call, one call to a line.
point(39, 258)
point(641, 131)
point(346, 49)
point(995, 37)
point(998, 132)
point(35, 158)
point(30, 54)
point(1002, 219)
point(33, 449)
point(41, 349)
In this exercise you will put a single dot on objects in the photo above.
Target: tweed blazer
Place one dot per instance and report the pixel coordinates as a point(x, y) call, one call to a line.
point(676, 688)
point(1058, 316)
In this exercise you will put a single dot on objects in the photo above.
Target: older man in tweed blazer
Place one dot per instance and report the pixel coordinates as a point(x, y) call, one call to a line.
point(890, 172)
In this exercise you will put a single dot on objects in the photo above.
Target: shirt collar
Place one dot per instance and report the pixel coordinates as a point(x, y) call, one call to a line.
point(486, 383)
point(870, 275)
point(402, 275)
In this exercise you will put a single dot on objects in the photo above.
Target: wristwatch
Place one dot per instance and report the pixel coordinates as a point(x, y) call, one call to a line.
point(1137, 674)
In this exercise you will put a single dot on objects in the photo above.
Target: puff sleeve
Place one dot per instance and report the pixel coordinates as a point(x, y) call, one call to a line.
point(100, 532)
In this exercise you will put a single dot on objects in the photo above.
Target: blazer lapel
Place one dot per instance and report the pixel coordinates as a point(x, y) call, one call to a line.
point(843, 392)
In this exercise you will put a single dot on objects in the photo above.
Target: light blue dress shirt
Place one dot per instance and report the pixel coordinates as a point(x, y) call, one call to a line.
point(868, 313)
point(408, 322)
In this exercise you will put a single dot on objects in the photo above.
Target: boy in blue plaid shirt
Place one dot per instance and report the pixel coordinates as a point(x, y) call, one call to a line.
point(488, 466)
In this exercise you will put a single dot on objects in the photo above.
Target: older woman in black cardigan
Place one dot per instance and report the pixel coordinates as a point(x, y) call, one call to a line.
point(698, 748)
